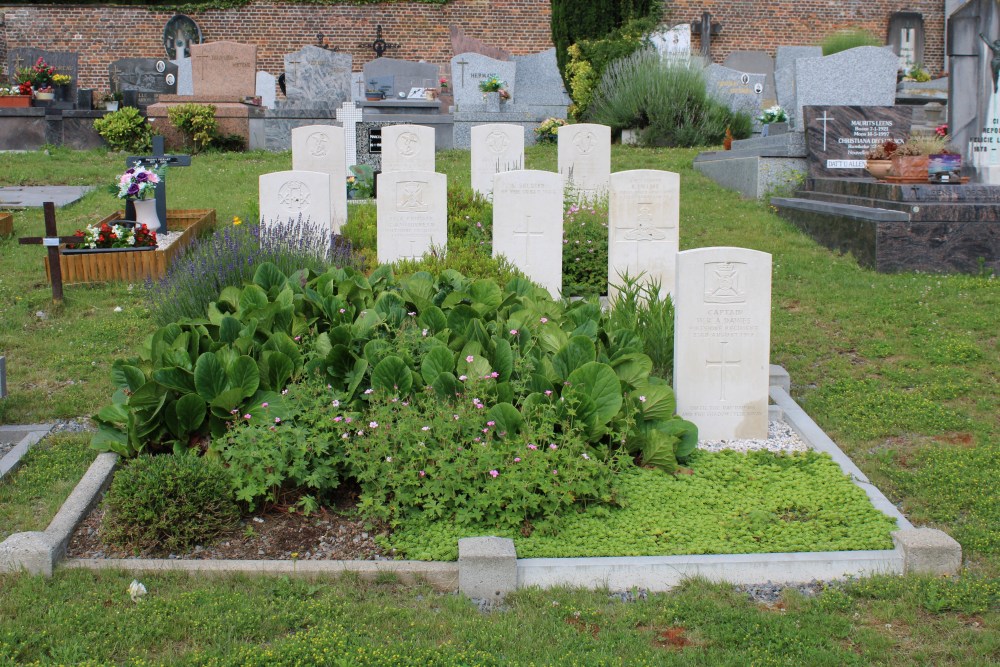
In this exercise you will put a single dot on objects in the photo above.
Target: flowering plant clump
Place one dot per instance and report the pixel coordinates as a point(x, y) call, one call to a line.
point(548, 131)
point(115, 236)
point(492, 84)
point(61, 79)
point(585, 247)
point(773, 114)
point(882, 151)
point(137, 183)
point(13, 90)
point(38, 75)
point(443, 81)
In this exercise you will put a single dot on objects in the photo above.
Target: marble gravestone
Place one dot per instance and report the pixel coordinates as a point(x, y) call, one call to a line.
point(528, 224)
point(740, 91)
point(673, 44)
point(64, 63)
point(755, 62)
point(585, 158)
point(838, 137)
point(149, 77)
point(468, 69)
point(289, 196)
point(722, 339)
point(316, 78)
point(412, 214)
point(266, 89)
point(496, 147)
point(404, 75)
point(224, 70)
point(785, 56)
point(643, 237)
point(862, 76)
point(407, 148)
point(185, 76)
point(321, 148)
point(540, 88)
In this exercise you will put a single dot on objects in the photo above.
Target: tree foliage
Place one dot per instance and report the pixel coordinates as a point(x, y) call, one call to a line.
point(573, 20)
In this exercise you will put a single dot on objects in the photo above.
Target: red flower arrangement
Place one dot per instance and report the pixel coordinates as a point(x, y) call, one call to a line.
point(115, 236)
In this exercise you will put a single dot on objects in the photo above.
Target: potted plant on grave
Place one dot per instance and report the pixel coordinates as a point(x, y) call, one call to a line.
point(911, 160)
point(11, 96)
point(138, 184)
point(120, 235)
point(360, 182)
point(775, 121)
point(494, 91)
point(61, 84)
point(879, 159)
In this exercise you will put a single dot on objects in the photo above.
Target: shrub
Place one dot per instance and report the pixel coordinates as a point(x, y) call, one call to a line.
point(848, 39)
point(168, 504)
point(125, 130)
point(572, 21)
point(197, 123)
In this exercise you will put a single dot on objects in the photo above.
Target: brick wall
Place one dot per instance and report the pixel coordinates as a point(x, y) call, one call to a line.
point(102, 34)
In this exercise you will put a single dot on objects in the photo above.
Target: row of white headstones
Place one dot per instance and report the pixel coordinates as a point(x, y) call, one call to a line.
point(722, 296)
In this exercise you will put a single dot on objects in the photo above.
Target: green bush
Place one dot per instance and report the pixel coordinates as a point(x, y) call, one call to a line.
point(197, 123)
point(573, 20)
point(638, 307)
point(848, 39)
point(168, 504)
point(125, 130)
point(668, 103)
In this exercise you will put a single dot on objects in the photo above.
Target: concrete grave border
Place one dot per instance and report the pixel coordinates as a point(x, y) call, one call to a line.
point(32, 433)
point(488, 567)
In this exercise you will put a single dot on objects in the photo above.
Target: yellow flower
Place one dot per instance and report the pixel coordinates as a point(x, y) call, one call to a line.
point(236, 220)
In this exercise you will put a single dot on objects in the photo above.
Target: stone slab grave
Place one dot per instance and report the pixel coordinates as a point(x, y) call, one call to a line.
point(585, 158)
point(740, 91)
point(63, 62)
point(412, 214)
point(286, 196)
point(722, 341)
point(540, 88)
point(321, 148)
point(148, 77)
point(395, 76)
point(643, 223)
point(316, 78)
point(496, 147)
point(528, 224)
point(33, 196)
point(468, 69)
point(784, 73)
point(837, 137)
point(224, 71)
point(407, 148)
point(756, 62)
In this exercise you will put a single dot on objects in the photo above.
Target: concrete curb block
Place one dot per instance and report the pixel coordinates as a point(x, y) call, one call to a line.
point(32, 434)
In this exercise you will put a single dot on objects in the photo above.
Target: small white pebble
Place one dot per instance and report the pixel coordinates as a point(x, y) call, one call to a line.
point(780, 438)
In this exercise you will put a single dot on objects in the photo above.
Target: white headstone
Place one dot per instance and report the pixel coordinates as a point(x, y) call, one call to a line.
point(673, 44)
point(349, 117)
point(643, 216)
point(185, 78)
point(321, 148)
point(407, 148)
point(528, 224)
point(585, 158)
point(290, 195)
point(412, 214)
point(496, 147)
point(265, 89)
point(722, 339)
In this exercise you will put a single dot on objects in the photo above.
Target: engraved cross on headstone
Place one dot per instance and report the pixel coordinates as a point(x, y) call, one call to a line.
point(706, 28)
point(722, 364)
point(825, 119)
point(116, 77)
point(157, 159)
point(51, 241)
point(462, 64)
point(526, 233)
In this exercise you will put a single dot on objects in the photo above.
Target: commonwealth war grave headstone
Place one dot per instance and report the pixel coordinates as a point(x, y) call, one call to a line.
point(288, 196)
point(321, 148)
point(407, 148)
point(412, 214)
point(643, 217)
point(837, 137)
point(528, 224)
point(585, 158)
point(722, 339)
point(496, 147)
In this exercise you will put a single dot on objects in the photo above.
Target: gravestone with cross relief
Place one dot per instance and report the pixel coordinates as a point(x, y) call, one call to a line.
point(496, 147)
point(469, 69)
point(159, 160)
point(585, 158)
point(528, 224)
point(722, 339)
point(643, 215)
point(407, 148)
point(51, 242)
point(321, 148)
point(412, 214)
point(838, 137)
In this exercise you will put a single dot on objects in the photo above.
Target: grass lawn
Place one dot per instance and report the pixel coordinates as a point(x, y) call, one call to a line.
point(901, 370)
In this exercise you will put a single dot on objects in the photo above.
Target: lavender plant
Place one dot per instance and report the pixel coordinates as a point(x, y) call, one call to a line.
point(229, 257)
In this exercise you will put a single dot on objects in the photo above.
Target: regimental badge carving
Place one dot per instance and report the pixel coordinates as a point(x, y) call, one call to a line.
point(585, 142)
point(724, 282)
point(408, 144)
point(497, 141)
point(294, 196)
point(318, 144)
point(411, 196)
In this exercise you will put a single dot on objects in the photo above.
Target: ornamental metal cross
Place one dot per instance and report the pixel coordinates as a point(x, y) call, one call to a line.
point(379, 46)
point(157, 159)
point(51, 241)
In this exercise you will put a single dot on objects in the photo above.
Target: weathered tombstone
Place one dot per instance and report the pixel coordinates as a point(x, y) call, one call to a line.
point(722, 338)
point(643, 220)
point(159, 160)
point(349, 116)
point(185, 76)
point(321, 148)
point(785, 56)
point(862, 76)
point(906, 37)
point(755, 62)
point(224, 70)
point(399, 76)
point(407, 148)
point(412, 214)
point(673, 44)
point(468, 69)
point(585, 158)
point(496, 147)
point(540, 88)
point(149, 77)
point(528, 224)
point(266, 90)
point(290, 196)
point(740, 91)
point(837, 137)
point(317, 78)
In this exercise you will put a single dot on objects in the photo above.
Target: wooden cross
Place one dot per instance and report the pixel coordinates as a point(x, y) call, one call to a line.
point(707, 29)
point(157, 159)
point(51, 240)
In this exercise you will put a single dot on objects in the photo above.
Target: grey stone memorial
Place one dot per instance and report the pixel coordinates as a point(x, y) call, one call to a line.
point(63, 62)
point(755, 62)
point(149, 77)
point(906, 37)
point(266, 89)
point(185, 78)
point(862, 76)
point(400, 75)
point(837, 137)
point(540, 89)
point(740, 91)
point(673, 44)
point(468, 69)
point(786, 55)
point(316, 78)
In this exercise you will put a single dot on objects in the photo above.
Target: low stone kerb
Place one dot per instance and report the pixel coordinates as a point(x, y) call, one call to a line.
point(928, 551)
point(487, 567)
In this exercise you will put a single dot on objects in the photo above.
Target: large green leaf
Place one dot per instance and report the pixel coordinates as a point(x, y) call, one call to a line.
point(229, 329)
point(686, 433)
point(127, 377)
point(656, 402)
point(209, 377)
point(148, 398)
point(175, 378)
point(446, 385)
point(269, 278)
point(503, 359)
point(252, 298)
point(109, 439)
point(283, 343)
point(508, 420)
point(276, 369)
point(437, 360)
point(486, 296)
point(433, 319)
point(226, 402)
point(633, 368)
point(600, 383)
point(356, 376)
point(190, 411)
point(112, 414)
point(244, 375)
point(579, 350)
point(658, 451)
point(392, 375)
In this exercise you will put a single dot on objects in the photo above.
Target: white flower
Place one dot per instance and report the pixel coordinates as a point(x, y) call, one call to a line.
point(118, 309)
point(136, 590)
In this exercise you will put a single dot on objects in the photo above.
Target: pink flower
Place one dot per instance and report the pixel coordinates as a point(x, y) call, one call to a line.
point(544, 320)
point(234, 411)
point(548, 392)
point(555, 472)
point(530, 446)
point(642, 399)
point(422, 473)
point(513, 332)
point(343, 310)
point(494, 474)
point(348, 420)
point(463, 378)
point(455, 417)
point(388, 459)
point(361, 432)
point(425, 428)
point(277, 420)
point(470, 359)
point(424, 332)
point(486, 430)
point(297, 338)
point(494, 375)
point(335, 403)
point(263, 405)
point(246, 416)
point(284, 391)
point(491, 423)
point(517, 459)
point(338, 418)
point(372, 424)
point(369, 391)
point(553, 446)
point(412, 313)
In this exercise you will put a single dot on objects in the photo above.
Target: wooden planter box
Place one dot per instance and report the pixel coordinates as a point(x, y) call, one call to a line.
point(15, 101)
point(132, 266)
point(6, 224)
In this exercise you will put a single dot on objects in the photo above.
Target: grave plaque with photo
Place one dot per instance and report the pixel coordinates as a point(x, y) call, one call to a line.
point(837, 137)
point(148, 77)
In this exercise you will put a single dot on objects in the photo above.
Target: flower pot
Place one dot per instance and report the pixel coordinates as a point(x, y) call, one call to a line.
point(910, 166)
point(878, 168)
point(111, 106)
point(15, 101)
point(43, 97)
point(493, 102)
point(145, 214)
